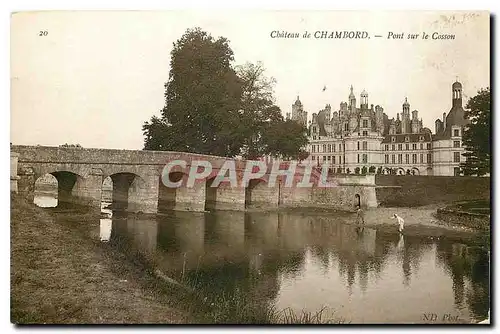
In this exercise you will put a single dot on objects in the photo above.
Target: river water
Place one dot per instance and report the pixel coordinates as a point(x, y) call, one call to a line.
point(307, 262)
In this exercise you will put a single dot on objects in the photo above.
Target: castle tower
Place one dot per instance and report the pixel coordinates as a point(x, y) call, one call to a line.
point(379, 118)
point(392, 127)
point(364, 100)
point(405, 117)
point(457, 94)
point(415, 123)
point(343, 109)
point(352, 100)
point(298, 113)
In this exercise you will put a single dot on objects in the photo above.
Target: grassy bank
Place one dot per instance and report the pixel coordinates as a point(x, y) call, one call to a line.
point(60, 276)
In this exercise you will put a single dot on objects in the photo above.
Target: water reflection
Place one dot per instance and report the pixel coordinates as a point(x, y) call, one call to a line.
point(45, 201)
point(307, 262)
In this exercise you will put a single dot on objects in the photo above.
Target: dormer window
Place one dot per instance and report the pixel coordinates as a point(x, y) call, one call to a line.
point(407, 138)
point(421, 138)
point(456, 133)
point(393, 139)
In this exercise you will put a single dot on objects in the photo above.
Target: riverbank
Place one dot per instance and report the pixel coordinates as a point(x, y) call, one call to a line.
point(60, 276)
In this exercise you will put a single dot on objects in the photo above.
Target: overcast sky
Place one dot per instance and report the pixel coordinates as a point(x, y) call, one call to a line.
point(97, 76)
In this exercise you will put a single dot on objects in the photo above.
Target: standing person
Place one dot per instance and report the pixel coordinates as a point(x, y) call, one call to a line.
point(359, 214)
point(401, 222)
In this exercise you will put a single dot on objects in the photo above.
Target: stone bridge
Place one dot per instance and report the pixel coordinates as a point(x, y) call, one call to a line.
point(138, 186)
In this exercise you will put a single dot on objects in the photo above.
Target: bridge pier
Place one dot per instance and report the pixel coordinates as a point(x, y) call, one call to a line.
point(143, 194)
point(88, 191)
point(26, 184)
point(190, 198)
point(228, 198)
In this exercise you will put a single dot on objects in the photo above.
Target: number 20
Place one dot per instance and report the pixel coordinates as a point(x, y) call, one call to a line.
point(43, 33)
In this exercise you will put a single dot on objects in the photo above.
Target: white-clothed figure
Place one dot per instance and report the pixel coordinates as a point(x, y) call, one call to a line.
point(401, 222)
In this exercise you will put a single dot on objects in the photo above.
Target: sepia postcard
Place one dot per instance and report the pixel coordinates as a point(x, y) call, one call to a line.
point(250, 167)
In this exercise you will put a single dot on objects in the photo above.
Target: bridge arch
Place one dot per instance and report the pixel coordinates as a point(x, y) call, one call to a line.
point(127, 190)
point(46, 191)
point(257, 193)
point(167, 196)
point(70, 186)
point(210, 194)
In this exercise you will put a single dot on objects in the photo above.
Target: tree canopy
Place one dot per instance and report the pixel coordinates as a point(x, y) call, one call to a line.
point(213, 108)
point(476, 136)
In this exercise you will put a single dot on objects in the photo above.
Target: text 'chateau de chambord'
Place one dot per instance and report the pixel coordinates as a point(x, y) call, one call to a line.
point(362, 139)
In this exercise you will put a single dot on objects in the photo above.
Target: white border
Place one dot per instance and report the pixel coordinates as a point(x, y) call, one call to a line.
point(7, 8)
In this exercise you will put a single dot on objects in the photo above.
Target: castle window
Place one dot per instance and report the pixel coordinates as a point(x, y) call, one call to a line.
point(365, 123)
point(387, 158)
point(400, 158)
point(387, 147)
point(428, 146)
point(346, 127)
point(414, 146)
point(456, 143)
point(329, 148)
point(358, 158)
point(365, 158)
point(429, 158)
point(400, 147)
point(421, 158)
point(365, 133)
point(314, 157)
point(407, 138)
point(456, 156)
point(407, 147)
point(314, 129)
point(333, 160)
point(328, 158)
point(393, 159)
point(456, 132)
point(413, 158)
point(333, 146)
point(365, 145)
point(358, 147)
point(421, 146)
point(407, 158)
point(340, 159)
point(340, 147)
point(324, 158)
point(421, 138)
point(393, 147)
point(393, 139)
point(324, 148)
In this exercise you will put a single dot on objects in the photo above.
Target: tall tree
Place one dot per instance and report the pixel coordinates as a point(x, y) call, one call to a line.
point(266, 132)
point(476, 137)
point(202, 99)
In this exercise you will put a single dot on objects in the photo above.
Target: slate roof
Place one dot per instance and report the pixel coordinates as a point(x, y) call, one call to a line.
point(413, 138)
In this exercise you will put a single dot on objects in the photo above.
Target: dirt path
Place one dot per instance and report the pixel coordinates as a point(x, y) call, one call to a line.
point(60, 277)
